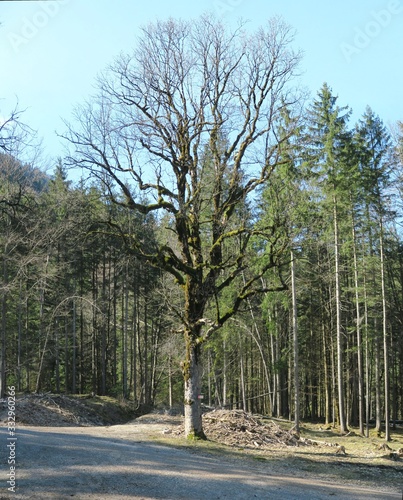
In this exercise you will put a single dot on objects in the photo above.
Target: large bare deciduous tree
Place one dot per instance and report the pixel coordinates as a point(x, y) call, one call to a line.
point(185, 127)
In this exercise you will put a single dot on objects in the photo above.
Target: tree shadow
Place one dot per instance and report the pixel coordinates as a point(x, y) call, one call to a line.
point(61, 465)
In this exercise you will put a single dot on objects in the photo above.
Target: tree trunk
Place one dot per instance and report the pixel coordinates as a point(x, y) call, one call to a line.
point(358, 332)
point(191, 374)
point(242, 376)
point(367, 377)
point(385, 335)
point(295, 344)
point(66, 358)
point(170, 391)
point(74, 351)
point(378, 390)
point(125, 321)
point(104, 319)
point(57, 356)
point(340, 379)
point(326, 349)
point(273, 362)
point(224, 374)
point(19, 340)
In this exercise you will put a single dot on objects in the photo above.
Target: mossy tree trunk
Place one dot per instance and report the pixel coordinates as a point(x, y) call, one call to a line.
point(192, 384)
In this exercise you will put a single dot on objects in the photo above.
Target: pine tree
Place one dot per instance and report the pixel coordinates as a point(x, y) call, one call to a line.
point(328, 138)
point(376, 161)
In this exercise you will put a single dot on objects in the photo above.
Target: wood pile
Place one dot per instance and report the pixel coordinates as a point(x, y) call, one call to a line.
point(241, 429)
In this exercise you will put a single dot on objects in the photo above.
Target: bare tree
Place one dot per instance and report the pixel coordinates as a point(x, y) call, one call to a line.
point(193, 90)
point(14, 134)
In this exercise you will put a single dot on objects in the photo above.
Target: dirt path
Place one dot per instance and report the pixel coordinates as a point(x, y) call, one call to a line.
point(123, 462)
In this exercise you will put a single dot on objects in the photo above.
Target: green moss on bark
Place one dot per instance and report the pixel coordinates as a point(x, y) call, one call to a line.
point(196, 436)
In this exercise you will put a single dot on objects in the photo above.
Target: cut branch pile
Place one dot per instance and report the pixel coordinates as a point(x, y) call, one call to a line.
point(239, 428)
point(58, 410)
point(54, 410)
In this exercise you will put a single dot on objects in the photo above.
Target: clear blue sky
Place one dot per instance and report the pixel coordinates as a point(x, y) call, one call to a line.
point(51, 52)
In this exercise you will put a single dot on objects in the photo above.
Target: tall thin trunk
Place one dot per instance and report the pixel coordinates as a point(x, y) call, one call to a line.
point(66, 358)
point(274, 363)
point(134, 340)
point(105, 318)
point(385, 335)
point(295, 344)
point(146, 381)
point(19, 339)
point(27, 350)
point(378, 389)
point(367, 379)
point(208, 375)
point(170, 391)
point(339, 336)
point(74, 352)
point(242, 377)
point(328, 396)
point(94, 360)
point(224, 383)
point(82, 345)
point(156, 330)
point(326, 341)
point(125, 320)
point(114, 333)
point(277, 372)
point(358, 320)
point(57, 355)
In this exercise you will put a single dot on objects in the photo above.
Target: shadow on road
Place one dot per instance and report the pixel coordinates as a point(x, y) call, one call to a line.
point(51, 464)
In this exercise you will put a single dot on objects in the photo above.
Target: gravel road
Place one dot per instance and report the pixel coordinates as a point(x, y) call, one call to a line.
point(122, 462)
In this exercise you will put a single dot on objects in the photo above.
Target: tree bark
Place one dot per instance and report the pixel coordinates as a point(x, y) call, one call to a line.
point(191, 374)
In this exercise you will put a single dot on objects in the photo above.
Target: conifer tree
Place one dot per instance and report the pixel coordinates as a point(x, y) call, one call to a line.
point(328, 139)
point(376, 160)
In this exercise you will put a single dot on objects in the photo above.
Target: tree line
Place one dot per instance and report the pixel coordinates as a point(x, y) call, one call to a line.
point(233, 244)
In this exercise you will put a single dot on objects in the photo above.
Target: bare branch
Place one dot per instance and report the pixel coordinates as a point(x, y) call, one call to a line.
point(188, 121)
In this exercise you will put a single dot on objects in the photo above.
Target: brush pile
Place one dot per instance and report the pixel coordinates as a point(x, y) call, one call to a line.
point(59, 410)
point(241, 429)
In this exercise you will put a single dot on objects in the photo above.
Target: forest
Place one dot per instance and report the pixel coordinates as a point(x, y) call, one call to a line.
point(228, 238)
